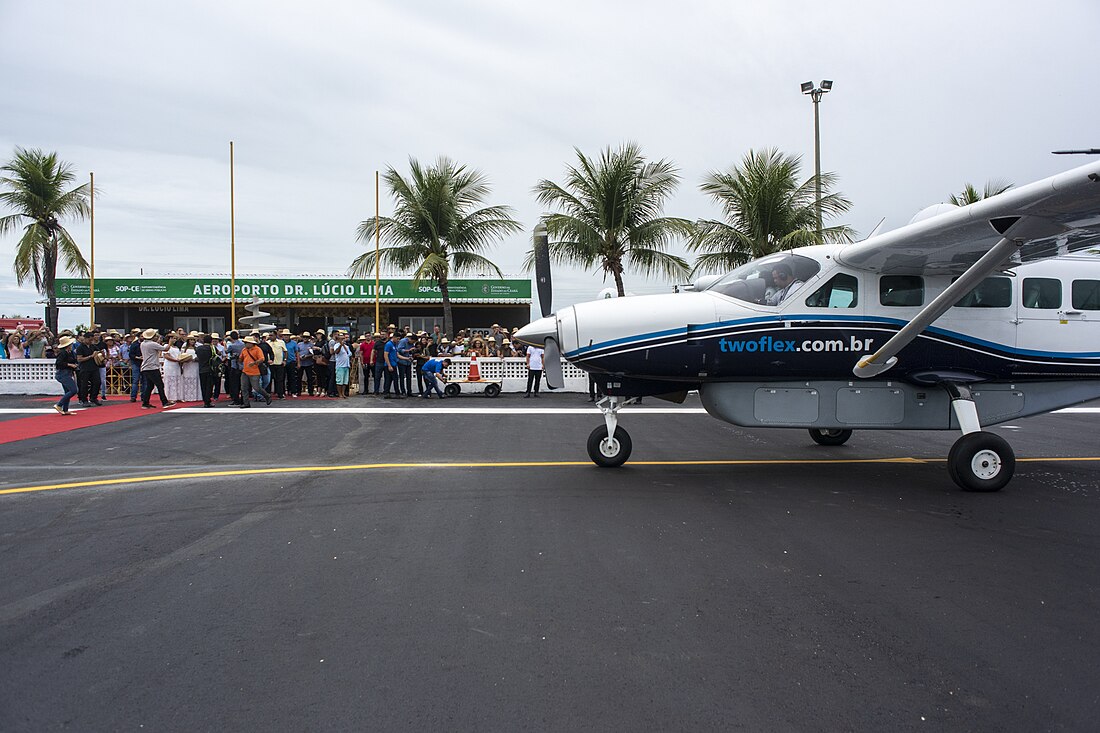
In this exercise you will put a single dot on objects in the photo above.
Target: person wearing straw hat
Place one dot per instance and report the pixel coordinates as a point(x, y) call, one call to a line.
point(151, 350)
point(190, 383)
point(307, 376)
point(496, 336)
point(65, 365)
point(290, 343)
point(341, 363)
point(278, 364)
point(88, 370)
point(253, 363)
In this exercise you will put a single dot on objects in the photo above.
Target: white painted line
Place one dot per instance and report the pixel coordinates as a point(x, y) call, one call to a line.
point(409, 409)
point(443, 410)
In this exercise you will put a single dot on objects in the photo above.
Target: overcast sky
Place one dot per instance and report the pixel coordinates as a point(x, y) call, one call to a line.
point(317, 96)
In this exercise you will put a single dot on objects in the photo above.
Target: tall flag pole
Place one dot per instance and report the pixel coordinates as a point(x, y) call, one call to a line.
point(91, 280)
point(377, 309)
point(232, 248)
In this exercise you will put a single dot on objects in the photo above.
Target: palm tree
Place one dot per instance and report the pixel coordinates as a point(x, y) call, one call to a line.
point(766, 209)
point(36, 183)
point(970, 195)
point(610, 216)
point(437, 228)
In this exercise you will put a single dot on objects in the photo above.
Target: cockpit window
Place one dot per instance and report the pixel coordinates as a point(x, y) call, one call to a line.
point(769, 280)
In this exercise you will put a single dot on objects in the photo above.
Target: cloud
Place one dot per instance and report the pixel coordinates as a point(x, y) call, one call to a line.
point(318, 96)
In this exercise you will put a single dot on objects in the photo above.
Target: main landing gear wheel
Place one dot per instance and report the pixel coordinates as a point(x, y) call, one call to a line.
point(452, 390)
point(609, 453)
point(981, 462)
point(830, 436)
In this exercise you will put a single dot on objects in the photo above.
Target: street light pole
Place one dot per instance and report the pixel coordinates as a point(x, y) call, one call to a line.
point(815, 94)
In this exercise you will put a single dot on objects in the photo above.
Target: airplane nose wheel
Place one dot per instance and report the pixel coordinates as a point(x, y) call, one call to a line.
point(609, 452)
point(981, 462)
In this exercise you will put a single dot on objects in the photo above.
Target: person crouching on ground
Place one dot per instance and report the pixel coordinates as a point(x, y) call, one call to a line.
point(432, 371)
point(252, 365)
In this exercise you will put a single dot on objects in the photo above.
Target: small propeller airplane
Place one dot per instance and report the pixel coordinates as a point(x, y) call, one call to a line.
point(967, 316)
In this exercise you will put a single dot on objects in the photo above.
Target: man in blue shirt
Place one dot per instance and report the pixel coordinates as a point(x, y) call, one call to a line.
point(293, 386)
point(393, 359)
point(433, 370)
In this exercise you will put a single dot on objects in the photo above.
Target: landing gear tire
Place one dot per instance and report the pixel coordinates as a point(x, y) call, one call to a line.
point(830, 436)
point(609, 453)
point(491, 390)
point(981, 462)
point(452, 390)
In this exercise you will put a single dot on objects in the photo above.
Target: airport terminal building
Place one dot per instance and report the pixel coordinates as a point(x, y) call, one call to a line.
point(304, 303)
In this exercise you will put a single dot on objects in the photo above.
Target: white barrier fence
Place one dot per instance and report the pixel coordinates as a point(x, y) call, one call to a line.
point(511, 372)
point(28, 376)
point(36, 376)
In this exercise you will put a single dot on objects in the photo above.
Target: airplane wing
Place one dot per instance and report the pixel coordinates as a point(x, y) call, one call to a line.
point(1052, 217)
point(1048, 218)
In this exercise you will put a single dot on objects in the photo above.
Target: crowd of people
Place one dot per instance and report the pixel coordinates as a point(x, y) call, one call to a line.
point(193, 367)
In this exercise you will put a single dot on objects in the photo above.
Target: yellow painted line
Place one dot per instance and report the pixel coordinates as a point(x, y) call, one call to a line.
point(471, 464)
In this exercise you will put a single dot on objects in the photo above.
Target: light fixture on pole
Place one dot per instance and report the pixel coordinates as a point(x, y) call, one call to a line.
point(815, 94)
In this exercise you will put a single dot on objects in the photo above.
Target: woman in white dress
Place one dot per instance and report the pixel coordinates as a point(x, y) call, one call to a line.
point(190, 389)
point(173, 372)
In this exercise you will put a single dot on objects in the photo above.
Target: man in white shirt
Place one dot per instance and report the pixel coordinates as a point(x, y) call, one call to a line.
point(534, 369)
point(785, 284)
point(151, 349)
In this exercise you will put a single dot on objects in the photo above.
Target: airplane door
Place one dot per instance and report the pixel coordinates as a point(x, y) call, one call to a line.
point(695, 356)
point(1058, 315)
point(1046, 321)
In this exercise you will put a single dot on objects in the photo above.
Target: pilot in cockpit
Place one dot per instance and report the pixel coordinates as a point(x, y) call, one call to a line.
point(784, 281)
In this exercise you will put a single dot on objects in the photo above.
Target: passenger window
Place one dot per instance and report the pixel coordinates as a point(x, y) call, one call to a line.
point(993, 292)
point(1042, 292)
point(901, 290)
point(1086, 295)
point(842, 291)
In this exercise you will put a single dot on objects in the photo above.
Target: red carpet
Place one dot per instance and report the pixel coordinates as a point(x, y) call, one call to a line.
point(33, 427)
point(115, 409)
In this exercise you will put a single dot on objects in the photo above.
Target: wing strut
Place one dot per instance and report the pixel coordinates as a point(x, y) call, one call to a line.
point(886, 357)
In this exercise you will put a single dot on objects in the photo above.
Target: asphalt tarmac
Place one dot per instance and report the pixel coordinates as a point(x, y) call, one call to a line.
point(353, 586)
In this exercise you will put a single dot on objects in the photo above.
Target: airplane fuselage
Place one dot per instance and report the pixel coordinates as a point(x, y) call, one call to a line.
point(1040, 322)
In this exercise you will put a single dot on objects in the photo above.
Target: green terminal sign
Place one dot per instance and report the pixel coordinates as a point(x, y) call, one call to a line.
point(282, 290)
